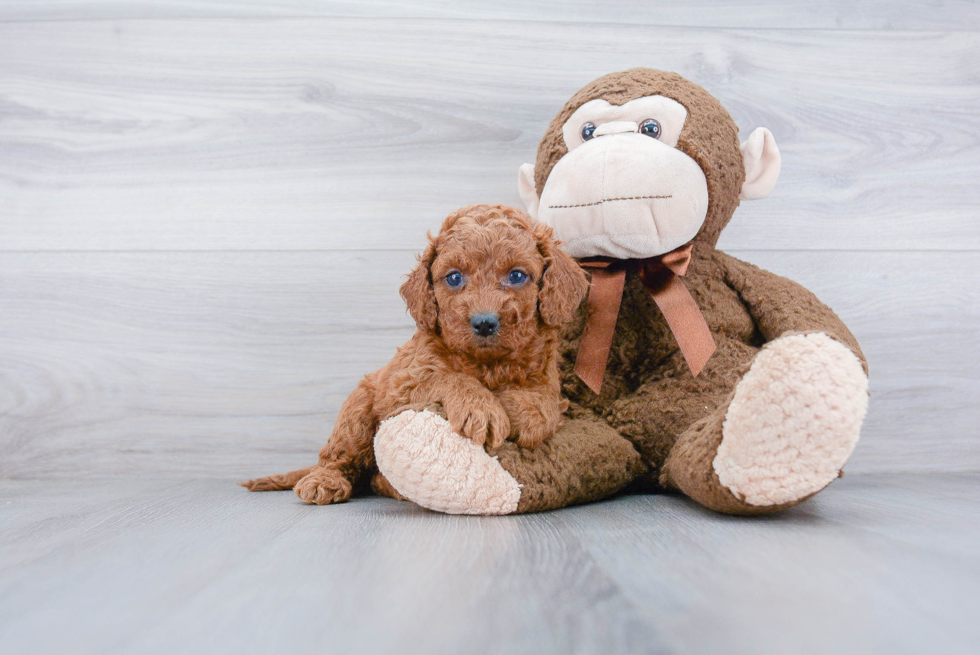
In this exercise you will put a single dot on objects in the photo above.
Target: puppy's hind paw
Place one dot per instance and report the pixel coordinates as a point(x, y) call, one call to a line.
point(324, 487)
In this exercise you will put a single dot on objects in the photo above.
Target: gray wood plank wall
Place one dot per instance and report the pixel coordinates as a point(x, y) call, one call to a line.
point(206, 208)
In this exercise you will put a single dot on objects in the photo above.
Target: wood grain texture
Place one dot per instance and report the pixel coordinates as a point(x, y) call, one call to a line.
point(876, 564)
point(835, 14)
point(206, 210)
point(235, 364)
point(348, 133)
point(204, 218)
point(166, 360)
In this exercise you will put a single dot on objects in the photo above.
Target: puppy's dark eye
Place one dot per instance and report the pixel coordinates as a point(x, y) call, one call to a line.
point(650, 127)
point(587, 131)
point(455, 279)
point(516, 277)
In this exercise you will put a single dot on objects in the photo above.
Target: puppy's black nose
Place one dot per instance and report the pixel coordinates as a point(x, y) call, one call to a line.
point(485, 325)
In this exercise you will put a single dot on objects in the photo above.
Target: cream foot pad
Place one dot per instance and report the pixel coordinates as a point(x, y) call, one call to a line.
point(436, 468)
point(794, 420)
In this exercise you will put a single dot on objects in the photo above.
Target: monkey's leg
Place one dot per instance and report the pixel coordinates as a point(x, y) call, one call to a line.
point(428, 463)
point(785, 433)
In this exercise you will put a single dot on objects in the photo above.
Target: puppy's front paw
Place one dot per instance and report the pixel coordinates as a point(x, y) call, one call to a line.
point(323, 486)
point(532, 420)
point(499, 425)
point(480, 420)
point(535, 430)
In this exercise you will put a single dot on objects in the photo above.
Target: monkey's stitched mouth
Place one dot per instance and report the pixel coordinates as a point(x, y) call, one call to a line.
point(599, 202)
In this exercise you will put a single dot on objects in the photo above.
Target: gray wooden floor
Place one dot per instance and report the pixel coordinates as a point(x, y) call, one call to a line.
point(879, 563)
point(205, 212)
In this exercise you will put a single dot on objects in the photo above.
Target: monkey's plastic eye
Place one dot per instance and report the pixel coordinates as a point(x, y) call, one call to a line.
point(516, 277)
point(455, 279)
point(650, 127)
point(588, 130)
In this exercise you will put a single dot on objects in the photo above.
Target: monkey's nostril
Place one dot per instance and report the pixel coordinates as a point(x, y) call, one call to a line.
point(485, 325)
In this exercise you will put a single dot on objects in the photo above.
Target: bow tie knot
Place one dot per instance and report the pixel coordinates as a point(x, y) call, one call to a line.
point(661, 278)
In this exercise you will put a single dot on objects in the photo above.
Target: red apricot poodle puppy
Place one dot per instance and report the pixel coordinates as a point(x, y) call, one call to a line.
point(488, 296)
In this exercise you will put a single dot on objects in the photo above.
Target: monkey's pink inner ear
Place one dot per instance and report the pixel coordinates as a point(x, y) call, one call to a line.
point(762, 163)
point(525, 187)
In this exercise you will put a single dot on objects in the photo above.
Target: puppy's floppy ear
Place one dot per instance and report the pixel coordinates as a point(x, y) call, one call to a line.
point(563, 284)
point(417, 290)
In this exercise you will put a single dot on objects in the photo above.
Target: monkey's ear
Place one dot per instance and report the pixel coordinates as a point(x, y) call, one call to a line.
point(563, 284)
point(762, 162)
point(525, 187)
point(417, 291)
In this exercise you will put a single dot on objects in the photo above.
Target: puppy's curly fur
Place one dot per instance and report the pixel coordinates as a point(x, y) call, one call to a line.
point(491, 388)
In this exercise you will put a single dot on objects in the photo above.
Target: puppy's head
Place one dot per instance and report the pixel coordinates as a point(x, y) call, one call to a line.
point(491, 281)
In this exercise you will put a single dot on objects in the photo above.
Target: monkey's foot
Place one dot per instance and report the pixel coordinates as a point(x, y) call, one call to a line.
point(431, 465)
point(793, 422)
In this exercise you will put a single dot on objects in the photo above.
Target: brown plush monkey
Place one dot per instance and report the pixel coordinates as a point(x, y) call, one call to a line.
point(686, 368)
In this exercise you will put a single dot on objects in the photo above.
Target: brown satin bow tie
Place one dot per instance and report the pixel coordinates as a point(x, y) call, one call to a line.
point(661, 278)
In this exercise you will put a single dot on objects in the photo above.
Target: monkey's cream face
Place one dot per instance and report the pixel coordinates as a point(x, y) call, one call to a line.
point(624, 190)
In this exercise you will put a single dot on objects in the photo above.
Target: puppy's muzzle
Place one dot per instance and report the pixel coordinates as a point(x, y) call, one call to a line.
point(485, 325)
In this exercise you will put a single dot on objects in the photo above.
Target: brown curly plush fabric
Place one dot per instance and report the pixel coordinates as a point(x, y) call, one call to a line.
point(673, 419)
point(650, 397)
point(584, 461)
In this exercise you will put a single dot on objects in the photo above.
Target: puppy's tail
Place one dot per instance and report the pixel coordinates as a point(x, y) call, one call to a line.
point(276, 482)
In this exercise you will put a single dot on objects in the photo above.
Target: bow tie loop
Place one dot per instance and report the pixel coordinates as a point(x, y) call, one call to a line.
point(661, 278)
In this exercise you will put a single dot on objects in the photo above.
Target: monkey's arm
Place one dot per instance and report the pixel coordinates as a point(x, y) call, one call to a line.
point(780, 306)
